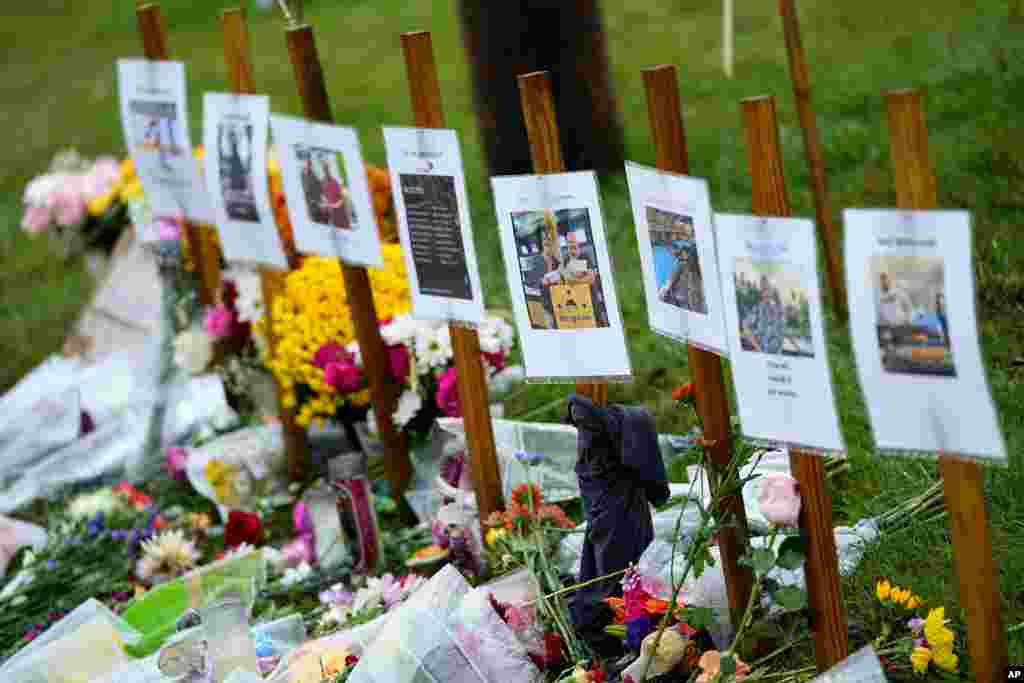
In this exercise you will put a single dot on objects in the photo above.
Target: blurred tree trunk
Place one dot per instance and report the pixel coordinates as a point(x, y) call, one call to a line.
point(565, 37)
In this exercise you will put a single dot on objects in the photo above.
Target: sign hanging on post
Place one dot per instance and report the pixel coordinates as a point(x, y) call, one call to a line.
point(915, 333)
point(776, 335)
point(433, 219)
point(235, 135)
point(672, 214)
point(327, 190)
point(155, 122)
point(560, 275)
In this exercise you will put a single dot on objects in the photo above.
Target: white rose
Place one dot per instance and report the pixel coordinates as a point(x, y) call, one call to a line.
point(193, 350)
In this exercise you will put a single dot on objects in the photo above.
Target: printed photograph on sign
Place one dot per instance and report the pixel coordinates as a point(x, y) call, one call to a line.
point(432, 220)
point(154, 127)
point(773, 308)
point(235, 139)
point(558, 266)
point(325, 187)
point(910, 315)
point(676, 261)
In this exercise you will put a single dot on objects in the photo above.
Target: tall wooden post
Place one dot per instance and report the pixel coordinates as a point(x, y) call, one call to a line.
point(828, 231)
point(240, 72)
point(668, 133)
point(309, 78)
point(538, 106)
point(821, 569)
point(963, 482)
point(206, 259)
point(425, 93)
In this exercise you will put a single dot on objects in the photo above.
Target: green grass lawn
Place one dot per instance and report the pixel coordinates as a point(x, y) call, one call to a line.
point(59, 90)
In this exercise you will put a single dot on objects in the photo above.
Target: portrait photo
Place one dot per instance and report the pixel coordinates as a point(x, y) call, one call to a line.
point(773, 308)
point(677, 268)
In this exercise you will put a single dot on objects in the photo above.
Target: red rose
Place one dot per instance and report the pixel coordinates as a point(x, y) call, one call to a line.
point(243, 527)
point(351, 660)
point(683, 392)
point(398, 362)
point(552, 649)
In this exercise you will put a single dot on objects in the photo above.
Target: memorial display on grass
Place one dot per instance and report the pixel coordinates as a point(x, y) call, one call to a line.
point(155, 121)
point(560, 276)
point(235, 135)
point(776, 335)
point(326, 184)
point(672, 214)
point(915, 333)
point(433, 217)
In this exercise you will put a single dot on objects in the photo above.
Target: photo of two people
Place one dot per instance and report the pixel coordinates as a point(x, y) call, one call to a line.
point(324, 185)
point(558, 265)
point(155, 128)
point(234, 146)
point(910, 314)
point(773, 307)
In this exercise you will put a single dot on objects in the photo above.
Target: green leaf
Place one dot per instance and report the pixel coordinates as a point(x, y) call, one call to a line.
point(790, 598)
point(727, 665)
point(698, 617)
point(790, 559)
point(793, 544)
point(762, 560)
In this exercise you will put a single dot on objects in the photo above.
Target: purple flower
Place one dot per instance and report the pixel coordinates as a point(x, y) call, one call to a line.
point(301, 519)
point(528, 458)
point(448, 394)
point(398, 362)
point(168, 228)
point(220, 322)
point(95, 526)
point(331, 352)
point(51, 564)
point(916, 625)
point(177, 458)
point(346, 377)
point(86, 424)
point(336, 595)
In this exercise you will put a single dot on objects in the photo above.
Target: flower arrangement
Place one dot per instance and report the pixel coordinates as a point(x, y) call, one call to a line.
point(917, 643)
point(83, 203)
point(378, 596)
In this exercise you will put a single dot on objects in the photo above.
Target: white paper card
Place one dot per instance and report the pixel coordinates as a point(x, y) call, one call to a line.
point(560, 276)
point(776, 335)
point(327, 190)
point(672, 214)
point(235, 135)
point(433, 223)
point(915, 334)
point(862, 666)
point(155, 122)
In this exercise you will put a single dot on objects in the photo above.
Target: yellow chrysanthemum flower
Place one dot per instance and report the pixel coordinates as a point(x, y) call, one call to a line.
point(945, 659)
point(98, 205)
point(935, 629)
point(883, 589)
point(920, 658)
point(914, 602)
point(131, 190)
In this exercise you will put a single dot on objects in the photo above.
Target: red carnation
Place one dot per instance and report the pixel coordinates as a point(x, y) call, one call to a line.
point(552, 649)
point(243, 527)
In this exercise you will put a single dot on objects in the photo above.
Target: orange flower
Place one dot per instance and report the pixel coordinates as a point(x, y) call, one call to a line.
point(524, 492)
point(683, 392)
point(618, 606)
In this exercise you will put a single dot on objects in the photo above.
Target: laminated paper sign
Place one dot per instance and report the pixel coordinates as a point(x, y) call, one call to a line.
point(433, 221)
point(156, 133)
point(915, 333)
point(235, 135)
point(560, 275)
point(672, 214)
point(328, 193)
point(776, 336)
point(863, 666)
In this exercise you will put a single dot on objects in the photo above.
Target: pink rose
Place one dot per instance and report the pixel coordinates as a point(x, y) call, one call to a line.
point(69, 205)
point(36, 220)
point(168, 229)
point(220, 321)
point(302, 549)
point(101, 177)
point(520, 618)
point(448, 394)
point(779, 500)
point(331, 352)
point(398, 361)
point(177, 458)
point(346, 376)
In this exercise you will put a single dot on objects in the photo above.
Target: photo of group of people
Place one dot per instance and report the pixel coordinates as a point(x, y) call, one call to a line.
point(676, 262)
point(558, 265)
point(154, 124)
point(234, 146)
point(323, 183)
point(773, 307)
point(910, 314)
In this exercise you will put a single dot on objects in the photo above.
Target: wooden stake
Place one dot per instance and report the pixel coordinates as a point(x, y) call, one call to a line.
point(425, 93)
point(309, 78)
point(821, 569)
point(963, 482)
point(666, 119)
point(240, 73)
point(828, 231)
point(538, 106)
point(206, 259)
